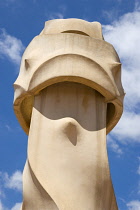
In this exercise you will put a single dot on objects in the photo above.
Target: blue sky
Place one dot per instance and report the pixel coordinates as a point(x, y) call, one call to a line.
point(20, 21)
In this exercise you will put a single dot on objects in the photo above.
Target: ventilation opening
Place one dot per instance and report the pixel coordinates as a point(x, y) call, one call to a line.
point(75, 32)
point(110, 112)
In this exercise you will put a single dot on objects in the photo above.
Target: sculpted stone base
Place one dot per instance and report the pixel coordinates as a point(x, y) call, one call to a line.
point(67, 166)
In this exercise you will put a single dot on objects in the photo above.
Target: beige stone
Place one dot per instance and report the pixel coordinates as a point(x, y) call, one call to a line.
point(68, 95)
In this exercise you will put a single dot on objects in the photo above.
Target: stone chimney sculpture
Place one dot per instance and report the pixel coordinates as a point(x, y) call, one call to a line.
point(68, 96)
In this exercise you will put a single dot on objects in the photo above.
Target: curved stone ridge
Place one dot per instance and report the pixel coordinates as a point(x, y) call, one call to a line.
point(73, 26)
point(71, 50)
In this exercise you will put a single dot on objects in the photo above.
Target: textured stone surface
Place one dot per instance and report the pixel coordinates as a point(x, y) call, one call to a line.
point(68, 95)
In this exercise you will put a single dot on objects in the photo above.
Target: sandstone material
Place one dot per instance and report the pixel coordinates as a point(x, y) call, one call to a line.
point(68, 96)
point(67, 154)
point(62, 53)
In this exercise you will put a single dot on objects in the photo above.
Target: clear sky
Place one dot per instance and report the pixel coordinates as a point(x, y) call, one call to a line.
point(20, 21)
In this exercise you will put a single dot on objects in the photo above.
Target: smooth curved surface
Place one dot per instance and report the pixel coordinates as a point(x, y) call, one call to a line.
point(68, 96)
point(67, 150)
point(61, 54)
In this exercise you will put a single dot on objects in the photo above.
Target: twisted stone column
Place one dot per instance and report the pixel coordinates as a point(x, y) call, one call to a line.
point(70, 98)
